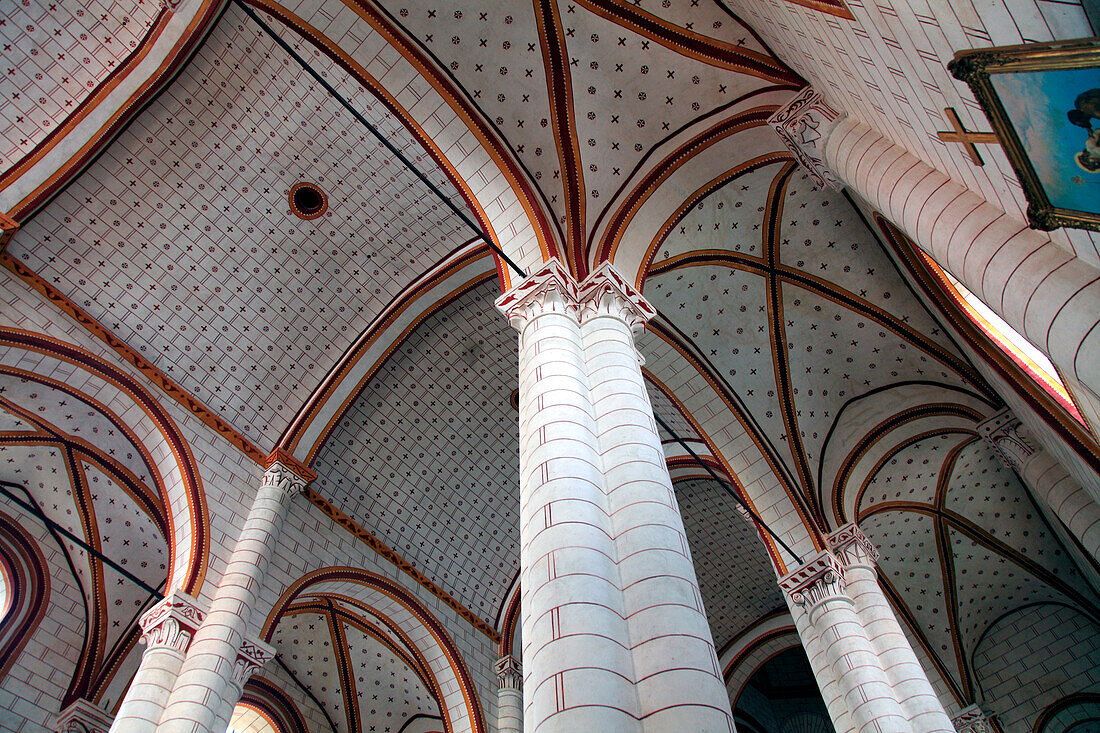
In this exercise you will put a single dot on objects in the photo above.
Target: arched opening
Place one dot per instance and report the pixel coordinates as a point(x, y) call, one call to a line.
point(782, 696)
point(251, 719)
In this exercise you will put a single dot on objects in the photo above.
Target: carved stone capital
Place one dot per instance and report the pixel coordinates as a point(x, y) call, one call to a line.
point(172, 622)
point(509, 673)
point(1010, 439)
point(8, 228)
point(254, 654)
point(972, 719)
point(286, 474)
point(804, 124)
point(83, 717)
point(818, 580)
point(550, 290)
point(852, 547)
point(607, 293)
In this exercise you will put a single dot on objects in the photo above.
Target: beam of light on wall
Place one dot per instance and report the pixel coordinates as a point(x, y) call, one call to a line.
point(1018, 348)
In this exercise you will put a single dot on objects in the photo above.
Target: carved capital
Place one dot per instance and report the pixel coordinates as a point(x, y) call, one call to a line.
point(83, 717)
point(8, 228)
point(509, 673)
point(286, 474)
point(818, 580)
point(972, 719)
point(550, 290)
point(172, 623)
point(1010, 439)
point(852, 547)
point(607, 293)
point(804, 124)
point(254, 654)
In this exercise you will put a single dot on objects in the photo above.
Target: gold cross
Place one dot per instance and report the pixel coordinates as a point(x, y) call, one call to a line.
point(965, 138)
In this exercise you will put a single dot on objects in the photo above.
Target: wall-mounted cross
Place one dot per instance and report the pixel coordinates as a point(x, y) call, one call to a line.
point(965, 138)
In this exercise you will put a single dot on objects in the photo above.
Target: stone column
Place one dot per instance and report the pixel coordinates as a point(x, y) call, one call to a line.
point(679, 680)
point(509, 695)
point(614, 636)
point(167, 629)
point(823, 671)
point(1053, 298)
point(207, 689)
point(1049, 482)
point(912, 689)
point(82, 717)
point(818, 590)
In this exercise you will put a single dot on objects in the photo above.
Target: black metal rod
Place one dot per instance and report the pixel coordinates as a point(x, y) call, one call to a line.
point(726, 486)
point(308, 692)
point(380, 137)
point(5, 488)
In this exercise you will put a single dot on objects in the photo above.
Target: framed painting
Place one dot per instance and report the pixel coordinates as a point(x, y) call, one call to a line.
point(1043, 101)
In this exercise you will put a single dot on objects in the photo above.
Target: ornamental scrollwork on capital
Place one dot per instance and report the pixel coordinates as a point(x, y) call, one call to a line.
point(804, 124)
point(550, 290)
point(254, 654)
point(509, 673)
point(607, 293)
point(972, 719)
point(284, 478)
point(1010, 439)
point(172, 622)
point(818, 580)
point(852, 547)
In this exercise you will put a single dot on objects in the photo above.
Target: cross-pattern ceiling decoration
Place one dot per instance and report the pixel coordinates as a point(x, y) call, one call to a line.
point(181, 242)
point(962, 544)
point(55, 55)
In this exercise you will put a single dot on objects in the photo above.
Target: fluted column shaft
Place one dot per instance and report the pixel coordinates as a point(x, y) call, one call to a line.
point(213, 674)
point(818, 589)
point(167, 629)
point(912, 688)
point(614, 635)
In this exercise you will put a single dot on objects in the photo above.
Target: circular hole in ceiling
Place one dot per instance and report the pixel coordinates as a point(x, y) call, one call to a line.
point(307, 201)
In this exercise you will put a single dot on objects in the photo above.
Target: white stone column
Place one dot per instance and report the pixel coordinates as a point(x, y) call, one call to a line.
point(1042, 291)
point(509, 695)
point(1050, 483)
point(818, 589)
point(823, 671)
point(679, 680)
point(912, 689)
point(614, 634)
point(207, 687)
point(167, 629)
point(82, 717)
point(577, 668)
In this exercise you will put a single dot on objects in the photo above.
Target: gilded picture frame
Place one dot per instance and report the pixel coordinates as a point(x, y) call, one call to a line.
point(1043, 102)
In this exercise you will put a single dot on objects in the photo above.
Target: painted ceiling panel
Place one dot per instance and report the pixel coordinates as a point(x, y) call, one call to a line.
point(736, 578)
point(55, 55)
point(390, 693)
point(427, 455)
point(911, 474)
point(180, 240)
point(304, 642)
point(9, 421)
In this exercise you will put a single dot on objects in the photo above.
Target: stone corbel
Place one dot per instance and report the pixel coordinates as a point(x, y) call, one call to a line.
point(804, 125)
point(252, 657)
point(1009, 438)
point(820, 579)
point(852, 547)
point(509, 673)
point(83, 717)
point(972, 719)
point(172, 622)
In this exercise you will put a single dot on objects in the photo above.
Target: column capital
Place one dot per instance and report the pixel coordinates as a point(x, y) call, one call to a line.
point(286, 472)
point(972, 719)
point(254, 654)
point(606, 292)
point(551, 289)
point(852, 547)
point(509, 673)
point(172, 622)
point(804, 124)
point(815, 581)
point(1010, 439)
point(8, 228)
point(83, 717)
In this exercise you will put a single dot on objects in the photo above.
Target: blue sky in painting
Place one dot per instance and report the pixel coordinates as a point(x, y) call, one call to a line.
point(1037, 103)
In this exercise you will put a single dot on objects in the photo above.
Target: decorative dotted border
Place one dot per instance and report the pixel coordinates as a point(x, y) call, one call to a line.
point(299, 212)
